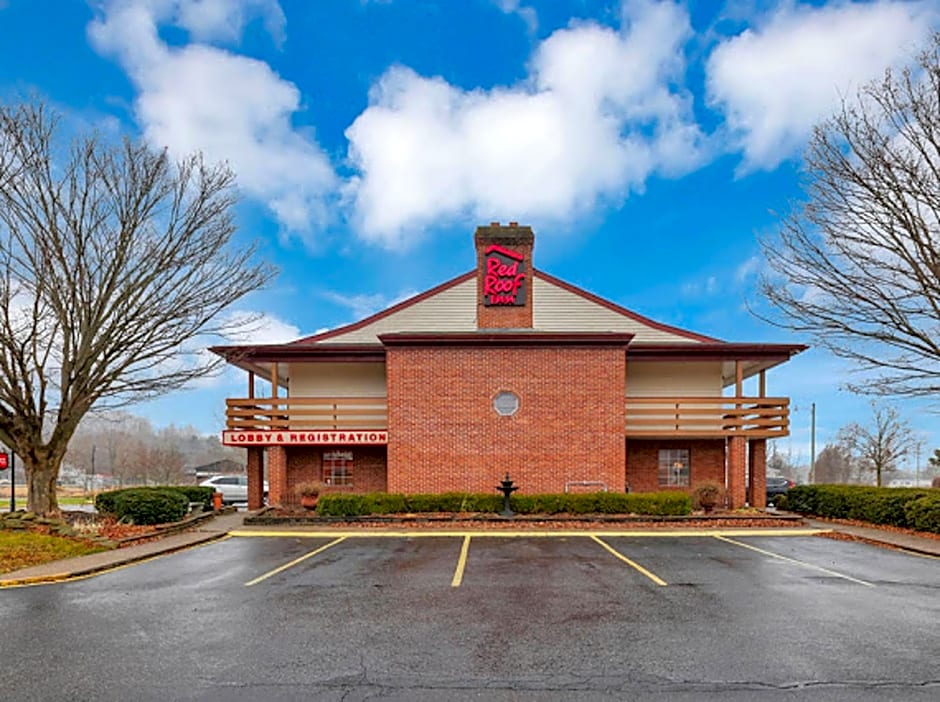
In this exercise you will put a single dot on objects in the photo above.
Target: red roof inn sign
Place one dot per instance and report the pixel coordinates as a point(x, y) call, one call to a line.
point(304, 438)
point(503, 277)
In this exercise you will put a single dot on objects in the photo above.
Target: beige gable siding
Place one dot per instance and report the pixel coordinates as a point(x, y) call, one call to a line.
point(451, 310)
point(685, 379)
point(557, 309)
point(337, 380)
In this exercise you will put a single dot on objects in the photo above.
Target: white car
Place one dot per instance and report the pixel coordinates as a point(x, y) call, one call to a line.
point(234, 488)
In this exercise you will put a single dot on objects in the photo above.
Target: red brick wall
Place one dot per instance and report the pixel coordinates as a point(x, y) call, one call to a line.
point(255, 477)
point(706, 456)
point(445, 435)
point(757, 472)
point(737, 467)
point(305, 464)
point(514, 238)
point(277, 475)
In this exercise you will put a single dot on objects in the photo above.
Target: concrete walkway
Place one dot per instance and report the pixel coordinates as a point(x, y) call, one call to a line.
point(917, 544)
point(218, 527)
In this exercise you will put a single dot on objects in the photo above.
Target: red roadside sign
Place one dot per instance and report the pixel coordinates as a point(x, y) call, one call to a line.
point(4, 461)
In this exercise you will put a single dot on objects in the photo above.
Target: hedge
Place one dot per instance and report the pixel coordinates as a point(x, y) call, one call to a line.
point(151, 505)
point(891, 506)
point(106, 502)
point(924, 513)
point(651, 503)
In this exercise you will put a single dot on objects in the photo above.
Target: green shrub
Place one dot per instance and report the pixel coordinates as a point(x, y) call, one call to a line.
point(662, 504)
point(781, 502)
point(655, 504)
point(341, 504)
point(105, 502)
point(924, 513)
point(864, 503)
point(195, 493)
point(151, 505)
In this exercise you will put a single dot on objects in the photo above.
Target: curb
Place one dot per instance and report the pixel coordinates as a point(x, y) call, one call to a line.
point(882, 543)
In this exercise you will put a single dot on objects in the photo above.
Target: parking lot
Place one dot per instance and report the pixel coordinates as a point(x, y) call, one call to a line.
point(474, 615)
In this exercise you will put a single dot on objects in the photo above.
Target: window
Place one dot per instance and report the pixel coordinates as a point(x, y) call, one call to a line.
point(337, 467)
point(673, 467)
point(506, 404)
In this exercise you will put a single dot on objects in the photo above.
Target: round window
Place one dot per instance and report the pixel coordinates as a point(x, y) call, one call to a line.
point(506, 403)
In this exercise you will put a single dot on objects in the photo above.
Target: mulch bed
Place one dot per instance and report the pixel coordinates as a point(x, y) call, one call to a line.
point(444, 520)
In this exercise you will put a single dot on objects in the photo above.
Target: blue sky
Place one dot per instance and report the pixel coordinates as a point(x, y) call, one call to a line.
point(647, 143)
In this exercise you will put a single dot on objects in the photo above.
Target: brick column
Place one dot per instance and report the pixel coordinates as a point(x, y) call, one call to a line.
point(277, 476)
point(255, 477)
point(757, 472)
point(519, 241)
point(737, 467)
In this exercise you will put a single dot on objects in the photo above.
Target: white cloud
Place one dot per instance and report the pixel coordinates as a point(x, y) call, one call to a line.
point(245, 327)
point(748, 269)
point(775, 81)
point(363, 306)
point(224, 20)
point(230, 107)
point(598, 115)
point(525, 12)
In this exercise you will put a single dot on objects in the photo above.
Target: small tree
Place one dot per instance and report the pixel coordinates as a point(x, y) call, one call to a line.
point(834, 464)
point(857, 267)
point(882, 445)
point(780, 463)
point(933, 464)
point(112, 259)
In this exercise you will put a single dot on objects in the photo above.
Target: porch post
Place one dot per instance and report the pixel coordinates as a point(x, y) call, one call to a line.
point(737, 449)
point(757, 472)
point(255, 477)
point(277, 476)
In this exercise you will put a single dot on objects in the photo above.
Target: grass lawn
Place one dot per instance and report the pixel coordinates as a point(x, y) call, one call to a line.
point(22, 549)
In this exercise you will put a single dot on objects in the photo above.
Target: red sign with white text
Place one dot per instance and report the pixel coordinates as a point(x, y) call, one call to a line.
point(357, 437)
point(4, 461)
point(504, 277)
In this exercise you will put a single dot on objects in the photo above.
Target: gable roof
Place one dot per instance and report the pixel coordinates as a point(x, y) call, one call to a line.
point(558, 306)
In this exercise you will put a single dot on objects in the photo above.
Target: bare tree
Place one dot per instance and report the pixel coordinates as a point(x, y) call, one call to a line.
point(858, 265)
point(880, 446)
point(113, 260)
point(781, 463)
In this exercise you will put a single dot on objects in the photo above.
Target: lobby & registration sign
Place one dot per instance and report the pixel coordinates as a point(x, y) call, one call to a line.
point(304, 438)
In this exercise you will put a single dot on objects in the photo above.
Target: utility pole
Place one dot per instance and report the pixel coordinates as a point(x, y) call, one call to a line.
point(812, 445)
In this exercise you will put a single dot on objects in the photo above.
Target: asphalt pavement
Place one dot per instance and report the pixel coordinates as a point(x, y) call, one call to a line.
point(221, 525)
point(428, 615)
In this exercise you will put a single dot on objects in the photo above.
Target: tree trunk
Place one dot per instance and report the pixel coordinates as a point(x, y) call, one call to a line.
point(42, 474)
point(41, 478)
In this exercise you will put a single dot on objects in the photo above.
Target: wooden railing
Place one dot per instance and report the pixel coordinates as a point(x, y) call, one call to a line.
point(320, 413)
point(644, 416)
point(757, 417)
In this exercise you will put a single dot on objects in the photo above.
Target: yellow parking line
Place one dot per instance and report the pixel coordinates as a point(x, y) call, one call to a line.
point(637, 566)
point(520, 533)
point(793, 560)
point(294, 562)
point(461, 562)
